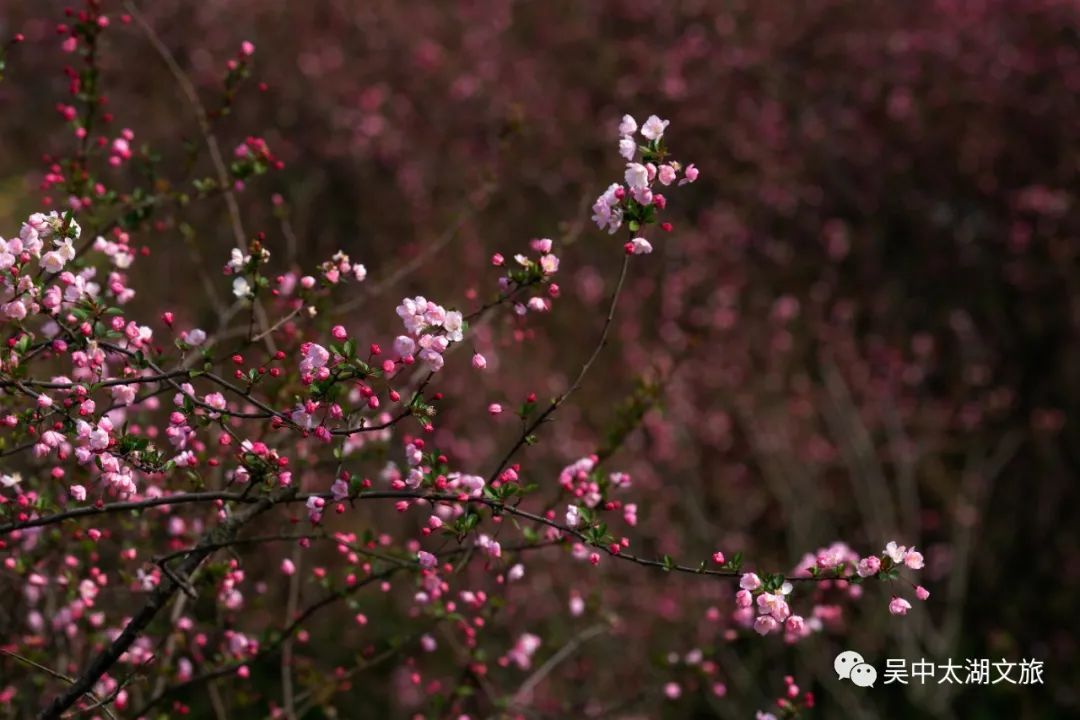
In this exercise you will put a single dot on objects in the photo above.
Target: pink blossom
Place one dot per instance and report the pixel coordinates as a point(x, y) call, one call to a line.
point(895, 552)
point(523, 650)
point(315, 506)
point(899, 606)
point(404, 345)
point(914, 559)
point(606, 211)
point(314, 357)
point(654, 127)
point(765, 624)
point(15, 310)
point(549, 264)
point(869, 566)
point(750, 581)
point(637, 176)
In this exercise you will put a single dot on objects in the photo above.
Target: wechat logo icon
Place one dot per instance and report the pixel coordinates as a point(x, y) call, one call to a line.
point(850, 665)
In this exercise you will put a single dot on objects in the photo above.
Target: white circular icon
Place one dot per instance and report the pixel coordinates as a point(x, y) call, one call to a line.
point(864, 675)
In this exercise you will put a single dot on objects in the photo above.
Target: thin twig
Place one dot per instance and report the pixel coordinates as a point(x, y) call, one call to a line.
point(524, 693)
point(58, 676)
point(531, 428)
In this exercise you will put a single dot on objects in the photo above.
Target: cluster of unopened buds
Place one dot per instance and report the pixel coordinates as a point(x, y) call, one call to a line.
point(638, 201)
point(790, 704)
point(120, 148)
point(252, 157)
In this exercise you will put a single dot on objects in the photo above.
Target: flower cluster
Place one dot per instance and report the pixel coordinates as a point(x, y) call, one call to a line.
point(638, 200)
point(49, 239)
point(790, 704)
point(590, 488)
point(245, 266)
point(770, 598)
point(250, 158)
point(836, 569)
point(526, 272)
point(431, 329)
point(339, 267)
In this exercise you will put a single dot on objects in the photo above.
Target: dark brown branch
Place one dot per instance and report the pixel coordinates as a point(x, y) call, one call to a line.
point(108, 508)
